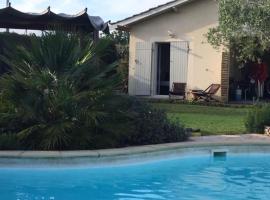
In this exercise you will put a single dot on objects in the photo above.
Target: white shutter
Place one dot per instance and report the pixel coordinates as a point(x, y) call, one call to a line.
point(154, 69)
point(179, 62)
point(142, 81)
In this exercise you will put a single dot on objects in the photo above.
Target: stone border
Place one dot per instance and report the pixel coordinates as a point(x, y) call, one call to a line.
point(196, 146)
point(195, 142)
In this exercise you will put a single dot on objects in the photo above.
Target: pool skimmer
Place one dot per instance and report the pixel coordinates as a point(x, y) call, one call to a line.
point(219, 153)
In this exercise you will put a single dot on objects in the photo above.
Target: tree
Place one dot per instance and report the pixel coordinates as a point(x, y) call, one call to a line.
point(120, 37)
point(55, 91)
point(59, 95)
point(120, 42)
point(244, 28)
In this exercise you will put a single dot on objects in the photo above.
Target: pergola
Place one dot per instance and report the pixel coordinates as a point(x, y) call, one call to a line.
point(82, 22)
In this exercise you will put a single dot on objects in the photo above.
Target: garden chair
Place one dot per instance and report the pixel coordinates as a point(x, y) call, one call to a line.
point(178, 89)
point(206, 95)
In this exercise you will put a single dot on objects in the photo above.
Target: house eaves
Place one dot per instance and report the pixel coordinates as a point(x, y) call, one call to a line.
point(127, 22)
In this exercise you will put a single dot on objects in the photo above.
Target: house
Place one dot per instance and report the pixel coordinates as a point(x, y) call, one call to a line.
point(168, 44)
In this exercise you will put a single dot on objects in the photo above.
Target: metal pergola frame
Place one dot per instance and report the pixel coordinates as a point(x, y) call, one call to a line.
point(10, 18)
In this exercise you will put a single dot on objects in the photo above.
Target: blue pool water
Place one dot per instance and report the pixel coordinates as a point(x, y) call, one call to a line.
point(245, 177)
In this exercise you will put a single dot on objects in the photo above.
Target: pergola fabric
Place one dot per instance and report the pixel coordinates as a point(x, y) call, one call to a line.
point(14, 19)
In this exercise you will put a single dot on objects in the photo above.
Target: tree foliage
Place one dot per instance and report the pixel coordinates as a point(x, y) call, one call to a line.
point(55, 91)
point(120, 41)
point(244, 27)
point(10, 41)
point(120, 37)
point(59, 94)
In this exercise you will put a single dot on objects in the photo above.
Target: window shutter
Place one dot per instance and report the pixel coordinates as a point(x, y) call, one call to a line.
point(179, 62)
point(142, 79)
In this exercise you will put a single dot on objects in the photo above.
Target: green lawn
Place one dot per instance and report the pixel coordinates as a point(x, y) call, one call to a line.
point(210, 120)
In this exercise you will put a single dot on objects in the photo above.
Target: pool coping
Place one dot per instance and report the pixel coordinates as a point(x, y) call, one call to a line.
point(193, 143)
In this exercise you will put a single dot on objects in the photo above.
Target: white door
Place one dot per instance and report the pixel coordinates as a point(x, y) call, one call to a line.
point(142, 78)
point(179, 62)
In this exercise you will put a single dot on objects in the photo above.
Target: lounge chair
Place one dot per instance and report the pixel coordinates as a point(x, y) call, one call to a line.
point(178, 89)
point(206, 95)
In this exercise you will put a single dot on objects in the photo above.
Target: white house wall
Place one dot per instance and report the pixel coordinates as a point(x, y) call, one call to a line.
point(190, 23)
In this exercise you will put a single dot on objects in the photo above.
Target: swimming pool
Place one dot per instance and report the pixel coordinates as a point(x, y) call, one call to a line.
point(201, 177)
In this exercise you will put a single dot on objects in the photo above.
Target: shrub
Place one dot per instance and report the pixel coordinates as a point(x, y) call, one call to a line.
point(9, 41)
point(257, 118)
point(58, 95)
point(56, 90)
point(136, 123)
point(9, 142)
point(153, 127)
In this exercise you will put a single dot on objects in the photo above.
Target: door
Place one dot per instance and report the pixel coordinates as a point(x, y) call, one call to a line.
point(163, 69)
point(142, 78)
point(179, 62)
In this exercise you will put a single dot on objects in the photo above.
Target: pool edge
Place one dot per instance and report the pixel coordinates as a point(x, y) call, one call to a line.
point(194, 143)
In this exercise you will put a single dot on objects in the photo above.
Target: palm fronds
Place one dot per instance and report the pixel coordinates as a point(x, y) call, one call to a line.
point(54, 89)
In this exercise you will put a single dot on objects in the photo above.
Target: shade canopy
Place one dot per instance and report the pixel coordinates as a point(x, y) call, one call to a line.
point(48, 20)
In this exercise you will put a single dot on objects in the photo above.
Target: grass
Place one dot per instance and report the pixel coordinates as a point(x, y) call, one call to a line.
point(210, 120)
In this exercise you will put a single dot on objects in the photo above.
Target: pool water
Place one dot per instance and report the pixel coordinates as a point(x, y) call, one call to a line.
point(245, 177)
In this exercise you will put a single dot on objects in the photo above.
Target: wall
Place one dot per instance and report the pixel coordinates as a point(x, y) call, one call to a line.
point(189, 23)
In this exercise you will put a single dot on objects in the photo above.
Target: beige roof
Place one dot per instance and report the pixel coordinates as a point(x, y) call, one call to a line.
point(172, 5)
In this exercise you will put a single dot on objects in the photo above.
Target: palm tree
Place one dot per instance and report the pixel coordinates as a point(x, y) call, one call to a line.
point(56, 91)
point(58, 94)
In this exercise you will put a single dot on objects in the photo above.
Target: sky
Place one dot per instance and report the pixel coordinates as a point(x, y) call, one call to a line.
point(107, 9)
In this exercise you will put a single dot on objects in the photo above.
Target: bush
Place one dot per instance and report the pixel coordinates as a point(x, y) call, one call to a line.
point(257, 118)
point(9, 142)
point(136, 123)
point(130, 122)
point(153, 127)
point(11, 41)
point(59, 95)
point(55, 91)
